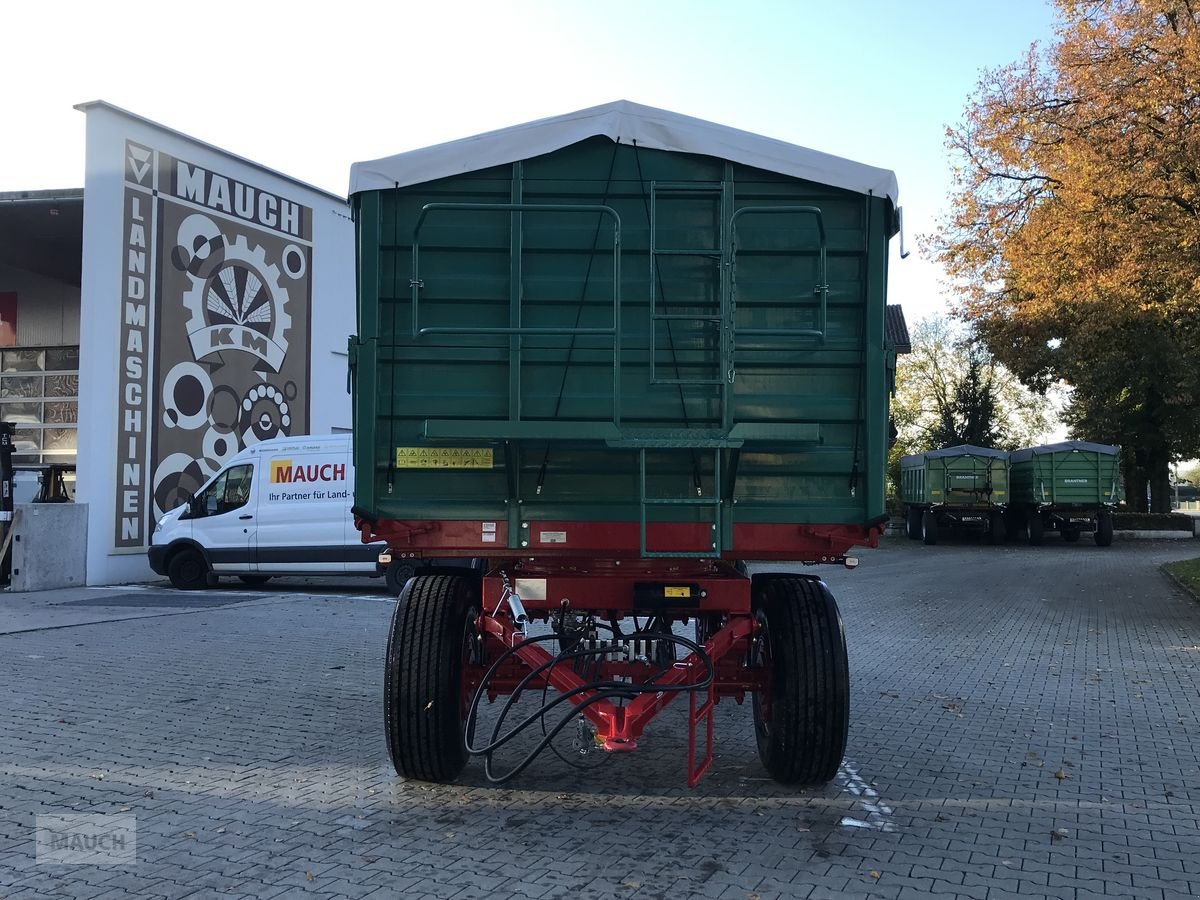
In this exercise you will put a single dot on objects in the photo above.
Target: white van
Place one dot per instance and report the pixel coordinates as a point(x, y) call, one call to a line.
point(280, 507)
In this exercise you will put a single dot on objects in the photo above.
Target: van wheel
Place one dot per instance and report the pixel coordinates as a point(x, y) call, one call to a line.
point(255, 580)
point(397, 574)
point(187, 570)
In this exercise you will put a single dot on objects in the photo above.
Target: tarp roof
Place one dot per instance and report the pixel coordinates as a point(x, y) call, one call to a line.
point(1062, 447)
point(960, 450)
point(625, 123)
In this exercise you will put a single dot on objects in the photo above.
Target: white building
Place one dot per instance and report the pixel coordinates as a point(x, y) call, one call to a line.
point(186, 303)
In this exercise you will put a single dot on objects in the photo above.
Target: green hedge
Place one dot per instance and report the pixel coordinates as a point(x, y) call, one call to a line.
point(1131, 521)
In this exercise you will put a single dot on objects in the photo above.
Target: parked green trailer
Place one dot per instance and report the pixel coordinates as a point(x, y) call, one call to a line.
point(963, 487)
point(614, 356)
point(1069, 487)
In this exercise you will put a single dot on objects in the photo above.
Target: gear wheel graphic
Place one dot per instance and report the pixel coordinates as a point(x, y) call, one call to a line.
point(244, 290)
point(265, 414)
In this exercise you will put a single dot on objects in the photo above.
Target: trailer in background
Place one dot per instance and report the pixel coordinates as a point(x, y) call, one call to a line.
point(616, 355)
point(963, 488)
point(1069, 487)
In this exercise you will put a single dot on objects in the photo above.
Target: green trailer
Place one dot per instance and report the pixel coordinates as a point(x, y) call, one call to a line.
point(613, 356)
point(963, 488)
point(1069, 487)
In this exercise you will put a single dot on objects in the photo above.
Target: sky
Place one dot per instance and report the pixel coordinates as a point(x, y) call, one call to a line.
point(309, 88)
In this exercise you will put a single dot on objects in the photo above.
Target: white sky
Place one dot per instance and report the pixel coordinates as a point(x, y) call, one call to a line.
point(308, 88)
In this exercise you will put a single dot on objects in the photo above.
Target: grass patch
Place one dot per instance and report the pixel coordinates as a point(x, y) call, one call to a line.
point(1188, 572)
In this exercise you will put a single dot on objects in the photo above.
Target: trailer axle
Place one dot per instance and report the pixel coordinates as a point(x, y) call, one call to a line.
point(620, 696)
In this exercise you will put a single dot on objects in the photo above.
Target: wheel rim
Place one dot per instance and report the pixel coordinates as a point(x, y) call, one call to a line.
point(190, 570)
point(470, 657)
point(761, 658)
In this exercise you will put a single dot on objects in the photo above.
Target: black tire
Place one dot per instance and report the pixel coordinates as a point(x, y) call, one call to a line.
point(1036, 529)
point(1014, 526)
point(187, 570)
point(254, 580)
point(1070, 535)
point(397, 573)
point(423, 708)
point(801, 726)
point(1104, 530)
point(929, 527)
point(996, 530)
point(912, 521)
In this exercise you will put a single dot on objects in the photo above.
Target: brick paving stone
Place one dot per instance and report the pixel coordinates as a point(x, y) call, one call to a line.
point(247, 741)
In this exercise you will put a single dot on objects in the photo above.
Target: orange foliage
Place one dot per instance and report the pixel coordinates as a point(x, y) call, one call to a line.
point(1076, 218)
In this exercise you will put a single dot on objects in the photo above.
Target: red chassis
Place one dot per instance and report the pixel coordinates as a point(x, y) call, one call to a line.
point(803, 543)
point(609, 583)
point(715, 596)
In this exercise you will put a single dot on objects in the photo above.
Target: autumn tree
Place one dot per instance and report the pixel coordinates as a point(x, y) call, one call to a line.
point(1190, 473)
point(1074, 236)
point(950, 391)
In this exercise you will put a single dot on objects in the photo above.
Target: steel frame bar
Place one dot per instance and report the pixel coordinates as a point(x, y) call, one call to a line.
point(618, 726)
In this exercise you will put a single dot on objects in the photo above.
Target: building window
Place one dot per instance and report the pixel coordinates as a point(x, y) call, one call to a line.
point(39, 396)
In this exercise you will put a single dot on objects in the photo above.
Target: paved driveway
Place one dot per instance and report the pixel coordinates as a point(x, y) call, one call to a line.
point(1026, 722)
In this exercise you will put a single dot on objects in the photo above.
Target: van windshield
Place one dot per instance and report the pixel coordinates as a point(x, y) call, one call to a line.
point(230, 491)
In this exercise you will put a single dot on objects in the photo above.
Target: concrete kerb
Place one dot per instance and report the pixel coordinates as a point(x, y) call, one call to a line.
point(1143, 535)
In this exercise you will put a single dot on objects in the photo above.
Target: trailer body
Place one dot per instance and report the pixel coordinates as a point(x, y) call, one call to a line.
point(1070, 487)
point(614, 355)
point(963, 488)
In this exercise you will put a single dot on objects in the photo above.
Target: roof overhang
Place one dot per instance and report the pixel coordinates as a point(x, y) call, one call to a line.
point(42, 232)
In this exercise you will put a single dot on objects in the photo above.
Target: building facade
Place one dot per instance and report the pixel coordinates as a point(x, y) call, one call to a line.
point(185, 304)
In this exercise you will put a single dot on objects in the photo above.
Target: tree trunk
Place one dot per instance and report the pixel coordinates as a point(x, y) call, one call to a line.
point(1160, 481)
point(1136, 483)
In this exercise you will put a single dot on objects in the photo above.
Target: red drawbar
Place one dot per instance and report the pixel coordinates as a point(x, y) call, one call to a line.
point(619, 727)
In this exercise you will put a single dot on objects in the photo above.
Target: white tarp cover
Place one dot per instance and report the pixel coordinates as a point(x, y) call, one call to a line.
point(1063, 447)
point(625, 123)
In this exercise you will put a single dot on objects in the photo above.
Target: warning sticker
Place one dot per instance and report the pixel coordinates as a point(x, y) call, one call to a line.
point(443, 457)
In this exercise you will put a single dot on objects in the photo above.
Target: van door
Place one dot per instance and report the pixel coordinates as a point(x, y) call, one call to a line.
point(223, 520)
point(301, 526)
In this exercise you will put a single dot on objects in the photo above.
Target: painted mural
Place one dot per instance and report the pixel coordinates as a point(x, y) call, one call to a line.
point(215, 329)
